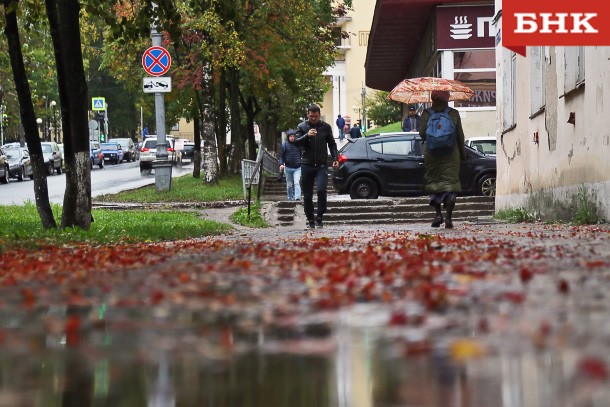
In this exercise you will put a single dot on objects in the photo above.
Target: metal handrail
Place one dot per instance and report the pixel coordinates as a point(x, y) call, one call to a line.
point(264, 161)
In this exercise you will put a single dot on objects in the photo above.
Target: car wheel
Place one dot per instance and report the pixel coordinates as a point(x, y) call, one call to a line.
point(91, 164)
point(21, 174)
point(363, 188)
point(487, 185)
point(50, 169)
point(4, 180)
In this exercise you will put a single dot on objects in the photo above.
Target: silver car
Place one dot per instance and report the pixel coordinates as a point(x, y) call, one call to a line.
point(148, 153)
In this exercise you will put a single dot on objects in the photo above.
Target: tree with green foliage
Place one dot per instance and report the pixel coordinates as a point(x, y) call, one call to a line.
point(382, 110)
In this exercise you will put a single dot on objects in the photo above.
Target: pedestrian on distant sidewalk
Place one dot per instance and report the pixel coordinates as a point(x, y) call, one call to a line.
point(315, 138)
point(355, 132)
point(411, 122)
point(340, 124)
point(290, 163)
point(442, 176)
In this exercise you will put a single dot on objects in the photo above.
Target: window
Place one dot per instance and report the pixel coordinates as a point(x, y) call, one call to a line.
point(476, 69)
point(509, 97)
point(574, 74)
point(537, 75)
point(395, 147)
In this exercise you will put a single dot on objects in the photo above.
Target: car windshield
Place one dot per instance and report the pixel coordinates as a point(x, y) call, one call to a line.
point(46, 148)
point(110, 146)
point(12, 153)
point(150, 143)
point(124, 143)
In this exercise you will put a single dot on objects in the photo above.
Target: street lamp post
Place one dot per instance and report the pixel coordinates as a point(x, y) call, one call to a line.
point(53, 104)
point(39, 121)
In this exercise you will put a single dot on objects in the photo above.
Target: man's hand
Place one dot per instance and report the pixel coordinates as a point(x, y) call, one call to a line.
point(312, 132)
point(282, 167)
point(335, 164)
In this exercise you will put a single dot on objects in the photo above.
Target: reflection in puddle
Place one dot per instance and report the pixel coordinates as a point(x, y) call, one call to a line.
point(186, 360)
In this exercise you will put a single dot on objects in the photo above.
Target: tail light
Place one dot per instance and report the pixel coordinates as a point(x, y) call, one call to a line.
point(170, 150)
point(342, 158)
point(144, 150)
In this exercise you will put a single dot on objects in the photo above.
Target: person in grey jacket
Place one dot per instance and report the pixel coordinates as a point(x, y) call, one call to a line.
point(315, 138)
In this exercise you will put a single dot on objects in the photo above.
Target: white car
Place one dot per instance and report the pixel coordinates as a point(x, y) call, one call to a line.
point(485, 145)
point(148, 152)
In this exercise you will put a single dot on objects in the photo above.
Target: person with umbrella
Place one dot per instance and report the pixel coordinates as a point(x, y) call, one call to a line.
point(442, 176)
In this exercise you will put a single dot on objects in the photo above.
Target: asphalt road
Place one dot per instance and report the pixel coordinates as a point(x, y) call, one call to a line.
point(109, 180)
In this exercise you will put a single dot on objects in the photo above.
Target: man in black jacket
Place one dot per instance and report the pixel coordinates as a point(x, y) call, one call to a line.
point(314, 137)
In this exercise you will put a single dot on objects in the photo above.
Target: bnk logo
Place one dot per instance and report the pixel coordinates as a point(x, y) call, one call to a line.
point(547, 23)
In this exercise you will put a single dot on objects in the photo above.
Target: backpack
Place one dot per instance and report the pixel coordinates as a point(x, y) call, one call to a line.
point(441, 134)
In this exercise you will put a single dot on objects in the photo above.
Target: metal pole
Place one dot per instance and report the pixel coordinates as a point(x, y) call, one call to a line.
point(163, 168)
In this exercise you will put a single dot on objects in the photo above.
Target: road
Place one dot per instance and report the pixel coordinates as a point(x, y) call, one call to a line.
point(109, 180)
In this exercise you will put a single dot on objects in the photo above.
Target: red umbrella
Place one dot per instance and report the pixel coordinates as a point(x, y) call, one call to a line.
point(418, 90)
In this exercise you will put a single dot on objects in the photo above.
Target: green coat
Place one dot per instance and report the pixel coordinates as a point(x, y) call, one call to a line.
point(443, 172)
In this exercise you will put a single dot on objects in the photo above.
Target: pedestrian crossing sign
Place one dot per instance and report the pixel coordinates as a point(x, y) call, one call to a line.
point(98, 103)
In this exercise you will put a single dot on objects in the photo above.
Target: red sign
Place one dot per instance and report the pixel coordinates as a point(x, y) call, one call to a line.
point(557, 22)
point(156, 61)
point(459, 27)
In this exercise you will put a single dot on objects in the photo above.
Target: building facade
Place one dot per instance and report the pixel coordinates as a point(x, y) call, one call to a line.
point(346, 97)
point(553, 137)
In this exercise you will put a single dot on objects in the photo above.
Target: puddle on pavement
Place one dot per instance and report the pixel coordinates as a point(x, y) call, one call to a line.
point(126, 357)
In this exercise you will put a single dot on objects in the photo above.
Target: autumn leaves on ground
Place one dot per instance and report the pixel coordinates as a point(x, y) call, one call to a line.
point(473, 284)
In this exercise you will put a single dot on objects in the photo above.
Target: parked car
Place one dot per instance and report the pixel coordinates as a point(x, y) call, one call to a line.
point(96, 155)
point(129, 148)
point(4, 168)
point(392, 164)
point(485, 145)
point(19, 162)
point(52, 157)
point(188, 151)
point(113, 152)
point(148, 152)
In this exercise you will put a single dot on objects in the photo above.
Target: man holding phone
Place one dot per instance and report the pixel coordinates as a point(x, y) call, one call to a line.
point(315, 138)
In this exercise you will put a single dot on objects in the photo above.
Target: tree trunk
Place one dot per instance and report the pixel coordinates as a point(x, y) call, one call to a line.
point(236, 137)
point(197, 140)
point(210, 158)
point(28, 117)
point(64, 22)
point(221, 122)
point(252, 109)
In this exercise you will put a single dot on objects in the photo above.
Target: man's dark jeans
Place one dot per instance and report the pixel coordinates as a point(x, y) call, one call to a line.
point(311, 175)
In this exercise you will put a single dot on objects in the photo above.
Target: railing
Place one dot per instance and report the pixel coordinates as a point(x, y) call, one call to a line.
point(251, 171)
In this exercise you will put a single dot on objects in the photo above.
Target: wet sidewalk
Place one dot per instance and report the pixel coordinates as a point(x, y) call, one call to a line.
point(387, 315)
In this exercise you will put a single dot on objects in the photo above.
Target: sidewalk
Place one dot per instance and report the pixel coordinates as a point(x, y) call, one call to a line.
point(481, 315)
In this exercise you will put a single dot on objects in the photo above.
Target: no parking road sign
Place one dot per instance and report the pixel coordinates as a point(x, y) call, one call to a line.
point(156, 61)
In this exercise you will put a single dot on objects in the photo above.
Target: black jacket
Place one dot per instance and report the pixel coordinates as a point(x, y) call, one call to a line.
point(315, 148)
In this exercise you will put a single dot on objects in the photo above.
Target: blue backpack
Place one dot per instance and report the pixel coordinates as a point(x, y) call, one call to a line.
point(441, 134)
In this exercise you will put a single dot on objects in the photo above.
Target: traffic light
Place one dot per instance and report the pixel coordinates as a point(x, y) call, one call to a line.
point(102, 138)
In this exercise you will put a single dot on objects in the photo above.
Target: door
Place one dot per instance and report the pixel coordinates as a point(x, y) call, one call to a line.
point(398, 165)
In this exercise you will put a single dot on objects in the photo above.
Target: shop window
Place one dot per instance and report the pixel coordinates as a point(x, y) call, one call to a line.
point(476, 69)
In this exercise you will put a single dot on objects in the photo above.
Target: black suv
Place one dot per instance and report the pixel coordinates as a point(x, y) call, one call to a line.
point(392, 164)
